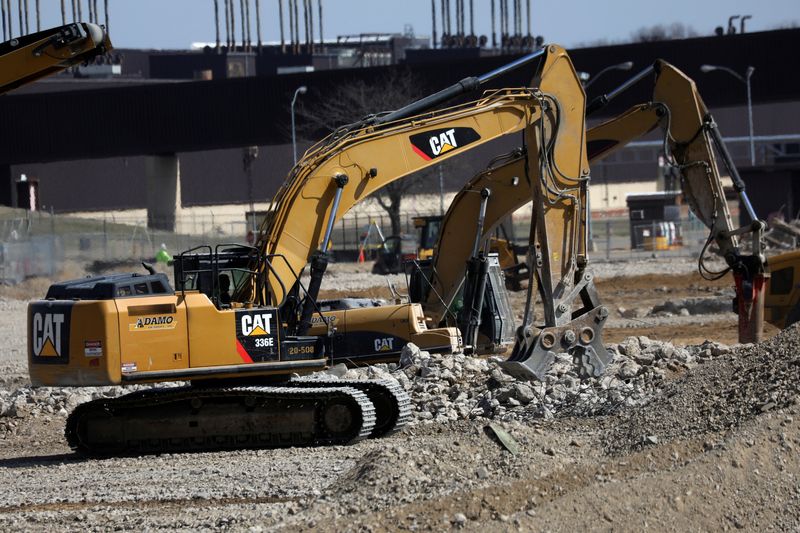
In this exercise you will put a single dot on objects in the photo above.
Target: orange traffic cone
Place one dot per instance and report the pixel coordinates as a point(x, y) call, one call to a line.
point(361, 255)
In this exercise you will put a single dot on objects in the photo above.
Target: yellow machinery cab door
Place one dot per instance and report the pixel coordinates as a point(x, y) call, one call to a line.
point(153, 333)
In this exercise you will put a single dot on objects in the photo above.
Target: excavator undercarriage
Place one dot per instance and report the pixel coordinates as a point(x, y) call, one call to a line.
point(202, 418)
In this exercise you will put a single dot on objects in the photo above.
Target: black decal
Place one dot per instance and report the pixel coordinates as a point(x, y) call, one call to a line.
point(48, 324)
point(257, 335)
point(431, 144)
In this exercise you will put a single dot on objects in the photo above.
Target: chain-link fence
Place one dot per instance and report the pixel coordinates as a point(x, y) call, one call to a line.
point(36, 244)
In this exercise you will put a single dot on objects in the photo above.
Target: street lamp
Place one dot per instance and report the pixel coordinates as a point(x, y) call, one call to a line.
point(627, 65)
point(300, 90)
point(746, 80)
point(587, 79)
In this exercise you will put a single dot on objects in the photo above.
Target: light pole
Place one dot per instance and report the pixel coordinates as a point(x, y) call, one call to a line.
point(587, 79)
point(300, 90)
point(746, 80)
point(627, 65)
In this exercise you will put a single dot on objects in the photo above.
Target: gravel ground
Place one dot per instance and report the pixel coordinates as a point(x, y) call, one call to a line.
point(671, 437)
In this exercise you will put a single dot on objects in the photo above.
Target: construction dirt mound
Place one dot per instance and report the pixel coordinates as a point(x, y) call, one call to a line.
point(717, 397)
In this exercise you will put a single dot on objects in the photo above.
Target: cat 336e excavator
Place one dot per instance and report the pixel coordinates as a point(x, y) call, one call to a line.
point(240, 322)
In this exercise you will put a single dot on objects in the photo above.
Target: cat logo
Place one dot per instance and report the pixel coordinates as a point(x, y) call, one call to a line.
point(444, 142)
point(47, 334)
point(256, 325)
point(384, 345)
point(432, 144)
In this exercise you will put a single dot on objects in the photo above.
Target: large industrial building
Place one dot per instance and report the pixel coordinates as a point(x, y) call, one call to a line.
point(171, 133)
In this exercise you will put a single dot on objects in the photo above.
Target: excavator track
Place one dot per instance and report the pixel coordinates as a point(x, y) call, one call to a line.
point(188, 419)
point(392, 403)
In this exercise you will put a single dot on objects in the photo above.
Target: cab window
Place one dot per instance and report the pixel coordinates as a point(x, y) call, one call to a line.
point(124, 290)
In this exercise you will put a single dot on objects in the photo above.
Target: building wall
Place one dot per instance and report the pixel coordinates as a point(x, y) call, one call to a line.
point(216, 177)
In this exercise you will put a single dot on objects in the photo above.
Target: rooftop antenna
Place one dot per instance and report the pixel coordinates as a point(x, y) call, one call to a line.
point(741, 22)
point(246, 14)
point(731, 27)
point(494, 35)
point(258, 23)
point(319, 15)
point(472, 17)
point(216, 18)
point(296, 28)
point(444, 22)
point(227, 25)
point(528, 12)
point(244, 25)
point(280, 19)
point(433, 21)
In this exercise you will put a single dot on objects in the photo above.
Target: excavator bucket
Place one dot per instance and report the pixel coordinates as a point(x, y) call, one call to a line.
point(536, 349)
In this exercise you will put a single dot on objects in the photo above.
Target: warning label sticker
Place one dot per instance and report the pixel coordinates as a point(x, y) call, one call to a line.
point(93, 348)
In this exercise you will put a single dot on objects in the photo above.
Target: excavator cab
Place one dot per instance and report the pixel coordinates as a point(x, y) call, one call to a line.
point(228, 270)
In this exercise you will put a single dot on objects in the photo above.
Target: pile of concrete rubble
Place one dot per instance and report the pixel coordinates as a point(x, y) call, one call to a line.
point(453, 387)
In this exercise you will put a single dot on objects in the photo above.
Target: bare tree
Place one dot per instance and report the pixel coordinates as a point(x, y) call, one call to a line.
point(350, 102)
point(660, 32)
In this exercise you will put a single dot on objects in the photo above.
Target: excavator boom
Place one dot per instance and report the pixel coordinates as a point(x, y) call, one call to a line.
point(26, 59)
point(692, 141)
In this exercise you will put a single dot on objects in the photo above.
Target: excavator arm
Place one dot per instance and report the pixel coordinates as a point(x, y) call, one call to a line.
point(693, 142)
point(357, 160)
point(28, 58)
point(696, 152)
point(551, 171)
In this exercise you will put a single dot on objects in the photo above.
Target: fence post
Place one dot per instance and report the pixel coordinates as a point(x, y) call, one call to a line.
point(608, 240)
point(358, 237)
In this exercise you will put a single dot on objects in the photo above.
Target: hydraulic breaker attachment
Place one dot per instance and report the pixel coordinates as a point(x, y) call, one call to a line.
point(749, 302)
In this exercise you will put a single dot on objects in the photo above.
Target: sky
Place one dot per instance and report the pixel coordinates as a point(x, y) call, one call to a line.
point(176, 24)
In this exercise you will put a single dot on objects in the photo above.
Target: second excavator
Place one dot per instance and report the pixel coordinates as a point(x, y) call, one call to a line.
point(693, 146)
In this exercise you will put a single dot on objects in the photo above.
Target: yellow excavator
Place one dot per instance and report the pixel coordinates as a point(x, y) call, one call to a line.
point(240, 321)
point(693, 145)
